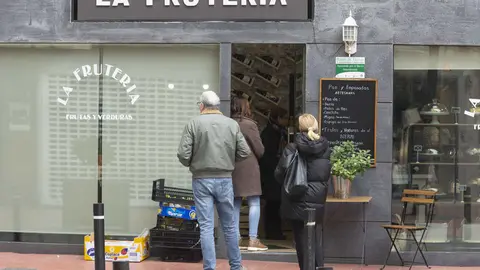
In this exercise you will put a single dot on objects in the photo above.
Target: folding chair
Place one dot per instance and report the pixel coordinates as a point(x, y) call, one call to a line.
point(414, 197)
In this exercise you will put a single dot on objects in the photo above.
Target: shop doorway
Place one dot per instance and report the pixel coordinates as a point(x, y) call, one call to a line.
point(271, 77)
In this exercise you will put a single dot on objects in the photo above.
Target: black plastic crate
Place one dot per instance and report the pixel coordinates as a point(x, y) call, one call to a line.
point(174, 239)
point(176, 224)
point(161, 193)
point(175, 233)
point(177, 254)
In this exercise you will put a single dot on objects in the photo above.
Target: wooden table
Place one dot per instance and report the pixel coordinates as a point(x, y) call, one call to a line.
point(364, 200)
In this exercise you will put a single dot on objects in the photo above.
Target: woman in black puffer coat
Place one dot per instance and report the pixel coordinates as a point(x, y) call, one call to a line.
point(316, 151)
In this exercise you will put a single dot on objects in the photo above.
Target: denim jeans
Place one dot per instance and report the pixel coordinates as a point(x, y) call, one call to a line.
point(206, 193)
point(253, 214)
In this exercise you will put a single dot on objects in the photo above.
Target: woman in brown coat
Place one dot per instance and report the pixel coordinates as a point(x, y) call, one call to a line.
point(246, 176)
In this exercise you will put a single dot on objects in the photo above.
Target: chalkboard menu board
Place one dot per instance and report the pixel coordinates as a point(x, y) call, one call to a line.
point(348, 112)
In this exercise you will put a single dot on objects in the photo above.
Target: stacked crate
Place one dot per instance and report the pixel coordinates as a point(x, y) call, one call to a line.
point(176, 237)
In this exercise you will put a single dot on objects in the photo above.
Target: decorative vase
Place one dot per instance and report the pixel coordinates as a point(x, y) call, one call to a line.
point(341, 187)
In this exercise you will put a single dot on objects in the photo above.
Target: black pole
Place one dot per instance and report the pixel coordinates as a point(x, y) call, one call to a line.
point(100, 130)
point(309, 260)
point(121, 265)
point(98, 208)
point(99, 235)
point(16, 217)
point(309, 256)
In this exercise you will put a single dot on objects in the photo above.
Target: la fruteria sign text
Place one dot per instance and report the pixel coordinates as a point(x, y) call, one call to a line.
point(192, 10)
point(193, 3)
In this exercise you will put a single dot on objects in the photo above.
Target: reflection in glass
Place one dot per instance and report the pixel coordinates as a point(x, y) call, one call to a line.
point(436, 144)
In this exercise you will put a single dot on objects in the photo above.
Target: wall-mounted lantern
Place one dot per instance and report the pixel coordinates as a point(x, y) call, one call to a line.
point(350, 35)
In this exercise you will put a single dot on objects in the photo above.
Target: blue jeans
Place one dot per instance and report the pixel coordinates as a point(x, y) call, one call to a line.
point(206, 193)
point(253, 214)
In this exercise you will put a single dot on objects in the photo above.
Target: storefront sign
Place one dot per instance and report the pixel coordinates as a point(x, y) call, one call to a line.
point(106, 70)
point(191, 10)
point(348, 112)
point(350, 67)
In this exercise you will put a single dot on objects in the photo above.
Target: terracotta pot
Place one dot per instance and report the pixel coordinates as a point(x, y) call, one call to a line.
point(342, 187)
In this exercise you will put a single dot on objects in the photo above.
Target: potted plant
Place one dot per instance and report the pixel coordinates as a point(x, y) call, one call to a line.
point(347, 162)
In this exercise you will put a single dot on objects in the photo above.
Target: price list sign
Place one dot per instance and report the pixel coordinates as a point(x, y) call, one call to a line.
point(348, 112)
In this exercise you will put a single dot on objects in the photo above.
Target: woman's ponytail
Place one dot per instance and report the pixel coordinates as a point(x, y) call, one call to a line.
point(312, 135)
point(307, 123)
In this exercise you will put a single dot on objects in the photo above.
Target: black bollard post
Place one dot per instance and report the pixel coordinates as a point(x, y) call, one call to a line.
point(322, 245)
point(99, 235)
point(16, 217)
point(309, 256)
point(310, 242)
point(121, 265)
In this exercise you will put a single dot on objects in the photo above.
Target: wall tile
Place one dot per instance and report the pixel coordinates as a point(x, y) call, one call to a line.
point(345, 240)
point(380, 21)
point(46, 20)
point(374, 18)
point(341, 239)
point(225, 68)
point(320, 63)
point(380, 188)
point(376, 183)
point(311, 107)
point(225, 107)
point(189, 32)
point(378, 243)
point(27, 21)
point(437, 22)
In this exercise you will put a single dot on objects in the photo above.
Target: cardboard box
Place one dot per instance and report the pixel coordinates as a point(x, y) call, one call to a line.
point(117, 250)
point(178, 212)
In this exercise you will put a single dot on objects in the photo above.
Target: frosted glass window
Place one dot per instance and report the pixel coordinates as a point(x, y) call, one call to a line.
point(48, 164)
point(169, 81)
point(43, 156)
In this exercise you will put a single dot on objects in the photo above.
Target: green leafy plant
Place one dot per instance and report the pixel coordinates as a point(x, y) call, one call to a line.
point(348, 161)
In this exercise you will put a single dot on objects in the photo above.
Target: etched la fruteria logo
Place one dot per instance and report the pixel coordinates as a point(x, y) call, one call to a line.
point(473, 111)
point(111, 71)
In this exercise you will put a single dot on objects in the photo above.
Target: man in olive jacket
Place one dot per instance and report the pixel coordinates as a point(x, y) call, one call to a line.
point(210, 145)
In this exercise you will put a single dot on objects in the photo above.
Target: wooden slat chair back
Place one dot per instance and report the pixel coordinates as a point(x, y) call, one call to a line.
point(413, 197)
